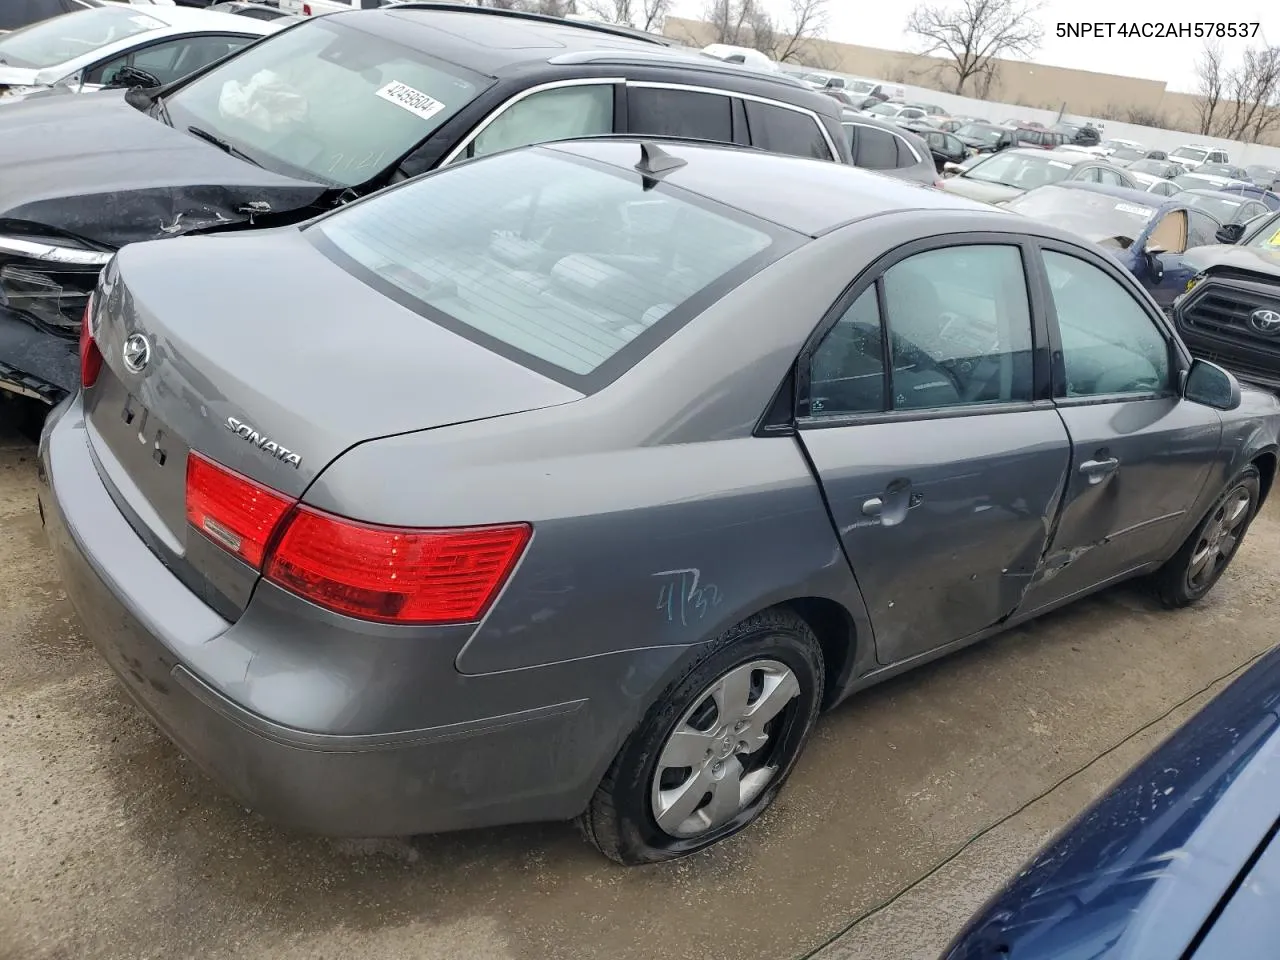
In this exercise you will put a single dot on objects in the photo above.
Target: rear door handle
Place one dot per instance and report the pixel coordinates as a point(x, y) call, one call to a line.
point(1099, 470)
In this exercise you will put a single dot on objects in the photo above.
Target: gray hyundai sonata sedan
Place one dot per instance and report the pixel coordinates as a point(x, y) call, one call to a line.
point(573, 482)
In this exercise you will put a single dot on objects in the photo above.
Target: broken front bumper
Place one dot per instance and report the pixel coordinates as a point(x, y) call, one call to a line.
point(35, 363)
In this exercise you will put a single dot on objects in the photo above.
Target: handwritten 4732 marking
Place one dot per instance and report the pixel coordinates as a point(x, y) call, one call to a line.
point(684, 597)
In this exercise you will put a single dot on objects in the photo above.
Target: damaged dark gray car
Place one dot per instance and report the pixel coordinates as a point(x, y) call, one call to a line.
point(320, 113)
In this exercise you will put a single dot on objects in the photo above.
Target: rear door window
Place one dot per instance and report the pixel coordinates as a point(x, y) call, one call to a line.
point(571, 268)
point(906, 157)
point(781, 130)
point(877, 149)
point(561, 113)
point(657, 111)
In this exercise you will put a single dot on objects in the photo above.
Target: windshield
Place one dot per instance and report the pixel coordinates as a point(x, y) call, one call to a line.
point(1219, 170)
point(324, 101)
point(885, 110)
point(1263, 173)
point(1127, 153)
point(1094, 215)
point(976, 131)
point(1190, 153)
point(553, 259)
point(52, 42)
point(1224, 208)
point(1266, 235)
point(1189, 181)
point(1020, 170)
point(860, 86)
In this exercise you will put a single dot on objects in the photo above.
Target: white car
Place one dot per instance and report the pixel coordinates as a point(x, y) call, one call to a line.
point(315, 8)
point(896, 112)
point(1160, 186)
point(117, 44)
point(1192, 155)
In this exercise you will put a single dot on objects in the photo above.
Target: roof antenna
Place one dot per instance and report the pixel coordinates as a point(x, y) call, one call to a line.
point(654, 162)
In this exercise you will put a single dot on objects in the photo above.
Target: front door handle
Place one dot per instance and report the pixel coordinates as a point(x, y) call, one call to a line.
point(872, 507)
point(1099, 470)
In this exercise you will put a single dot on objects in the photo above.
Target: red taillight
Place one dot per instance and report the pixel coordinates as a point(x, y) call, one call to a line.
point(391, 574)
point(306, 9)
point(388, 574)
point(233, 511)
point(90, 355)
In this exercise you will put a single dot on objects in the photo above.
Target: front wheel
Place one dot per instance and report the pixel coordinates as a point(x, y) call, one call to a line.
point(1203, 558)
point(714, 750)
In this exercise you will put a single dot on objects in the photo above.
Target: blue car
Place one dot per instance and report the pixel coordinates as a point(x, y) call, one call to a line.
point(1148, 234)
point(1178, 861)
point(1260, 194)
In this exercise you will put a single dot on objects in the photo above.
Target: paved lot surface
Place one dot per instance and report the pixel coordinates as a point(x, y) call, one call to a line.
point(912, 803)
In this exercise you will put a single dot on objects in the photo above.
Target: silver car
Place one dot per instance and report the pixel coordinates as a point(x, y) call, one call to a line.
point(1011, 173)
point(575, 481)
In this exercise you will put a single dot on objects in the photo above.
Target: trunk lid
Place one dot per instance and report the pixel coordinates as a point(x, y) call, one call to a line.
point(269, 359)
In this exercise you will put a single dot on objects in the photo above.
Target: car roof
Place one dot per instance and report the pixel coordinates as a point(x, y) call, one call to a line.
point(188, 18)
point(1071, 156)
point(496, 44)
point(820, 195)
point(1121, 193)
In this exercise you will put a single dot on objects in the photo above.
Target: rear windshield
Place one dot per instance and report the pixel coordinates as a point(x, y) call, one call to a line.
point(558, 263)
point(1190, 153)
point(51, 42)
point(325, 101)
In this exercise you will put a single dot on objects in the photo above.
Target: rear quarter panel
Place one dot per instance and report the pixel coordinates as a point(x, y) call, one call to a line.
point(659, 519)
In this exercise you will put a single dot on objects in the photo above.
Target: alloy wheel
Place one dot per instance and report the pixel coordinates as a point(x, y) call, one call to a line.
point(1219, 538)
point(723, 751)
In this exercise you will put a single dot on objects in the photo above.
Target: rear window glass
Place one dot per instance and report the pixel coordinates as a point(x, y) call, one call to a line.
point(56, 41)
point(557, 262)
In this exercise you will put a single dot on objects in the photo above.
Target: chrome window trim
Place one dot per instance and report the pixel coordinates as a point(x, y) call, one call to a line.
point(461, 148)
point(866, 126)
point(734, 94)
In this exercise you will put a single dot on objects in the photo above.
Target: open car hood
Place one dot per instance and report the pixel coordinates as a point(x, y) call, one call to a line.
point(93, 166)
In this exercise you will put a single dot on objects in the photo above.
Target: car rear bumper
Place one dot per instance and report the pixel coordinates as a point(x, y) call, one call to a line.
point(177, 659)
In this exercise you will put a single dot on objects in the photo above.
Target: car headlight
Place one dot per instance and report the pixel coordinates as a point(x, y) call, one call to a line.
point(49, 281)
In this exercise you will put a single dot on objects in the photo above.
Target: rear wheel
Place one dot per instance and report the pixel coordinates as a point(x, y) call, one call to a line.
point(713, 751)
point(1202, 559)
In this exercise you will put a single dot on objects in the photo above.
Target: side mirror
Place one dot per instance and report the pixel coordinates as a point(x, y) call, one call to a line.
point(1229, 233)
point(1154, 263)
point(1208, 384)
point(129, 77)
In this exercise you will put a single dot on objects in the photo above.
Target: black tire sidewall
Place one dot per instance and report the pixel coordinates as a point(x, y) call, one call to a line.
point(1249, 476)
point(641, 840)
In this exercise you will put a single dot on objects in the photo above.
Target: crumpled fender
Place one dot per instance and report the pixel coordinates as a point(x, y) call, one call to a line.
point(36, 363)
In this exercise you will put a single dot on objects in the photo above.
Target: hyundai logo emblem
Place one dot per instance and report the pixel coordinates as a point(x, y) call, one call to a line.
point(137, 352)
point(1266, 322)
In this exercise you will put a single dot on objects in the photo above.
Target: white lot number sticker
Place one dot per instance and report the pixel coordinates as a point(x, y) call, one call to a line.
point(1059, 164)
point(407, 98)
point(1144, 212)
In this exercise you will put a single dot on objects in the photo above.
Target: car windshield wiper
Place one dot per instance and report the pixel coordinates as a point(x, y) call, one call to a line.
point(221, 144)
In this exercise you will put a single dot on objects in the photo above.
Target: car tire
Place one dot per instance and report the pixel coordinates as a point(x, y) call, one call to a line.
point(638, 812)
point(1202, 558)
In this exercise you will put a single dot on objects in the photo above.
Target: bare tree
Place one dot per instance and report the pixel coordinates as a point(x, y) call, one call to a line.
point(807, 22)
point(972, 34)
point(1210, 78)
point(644, 14)
point(1241, 102)
point(748, 23)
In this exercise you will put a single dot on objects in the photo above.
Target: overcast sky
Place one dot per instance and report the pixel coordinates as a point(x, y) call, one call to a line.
point(1173, 61)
